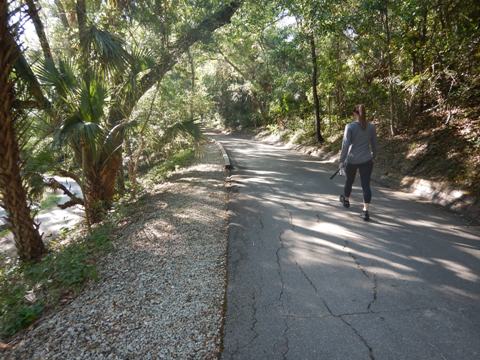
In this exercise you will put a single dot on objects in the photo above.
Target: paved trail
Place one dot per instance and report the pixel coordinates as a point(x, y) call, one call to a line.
point(310, 280)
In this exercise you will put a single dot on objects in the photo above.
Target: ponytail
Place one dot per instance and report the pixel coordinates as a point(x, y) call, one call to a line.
point(362, 117)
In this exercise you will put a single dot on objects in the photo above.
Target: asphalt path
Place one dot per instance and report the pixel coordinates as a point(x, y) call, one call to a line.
point(308, 279)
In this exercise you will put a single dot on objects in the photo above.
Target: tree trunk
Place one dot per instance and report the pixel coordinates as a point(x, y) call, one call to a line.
point(121, 179)
point(192, 91)
point(62, 14)
point(13, 195)
point(316, 101)
point(390, 72)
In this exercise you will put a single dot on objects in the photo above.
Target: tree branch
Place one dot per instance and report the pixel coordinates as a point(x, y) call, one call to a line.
point(37, 22)
point(235, 67)
point(199, 33)
point(71, 175)
point(24, 71)
point(74, 199)
point(62, 14)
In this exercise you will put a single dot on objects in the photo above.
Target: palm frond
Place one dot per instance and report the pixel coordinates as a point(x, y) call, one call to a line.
point(141, 59)
point(47, 73)
point(188, 128)
point(63, 79)
point(76, 130)
point(108, 49)
point(93, 99)
point(115, 131)
point(67, 69)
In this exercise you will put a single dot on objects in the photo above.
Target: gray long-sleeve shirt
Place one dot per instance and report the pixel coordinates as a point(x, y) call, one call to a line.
point(359, 145)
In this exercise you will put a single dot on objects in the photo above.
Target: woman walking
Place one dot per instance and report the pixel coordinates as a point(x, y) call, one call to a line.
point(359, 148)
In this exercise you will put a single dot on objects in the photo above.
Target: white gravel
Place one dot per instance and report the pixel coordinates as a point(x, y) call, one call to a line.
point(162, 289)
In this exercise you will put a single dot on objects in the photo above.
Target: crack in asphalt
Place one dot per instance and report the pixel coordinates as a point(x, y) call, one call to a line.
point(254, 319)
point(280, 272)
point(362, 339)
point(285, 336)
point(280, 297)
point(261, 223)
point(252, 328)
point(307, 278)
point(371, 277)
point(374, 296)
point(339, 316)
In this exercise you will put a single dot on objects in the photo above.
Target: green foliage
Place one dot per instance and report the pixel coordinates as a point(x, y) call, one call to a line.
point(28, 289)
point(180, 159)
point(4, 232)
point(233, 100)
point(270, 63)
point(49, 201)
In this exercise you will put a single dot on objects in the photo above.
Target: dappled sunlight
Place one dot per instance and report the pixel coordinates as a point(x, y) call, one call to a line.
point(394, 274)
point(457, 231)
point(259, 180)
point(262, 172)
point(404, 244)
point(426, 223)
point(449, 290)
point(312, 244)
point(200, 168)
point(458, 269)
point(422, 260)
point(359, 246)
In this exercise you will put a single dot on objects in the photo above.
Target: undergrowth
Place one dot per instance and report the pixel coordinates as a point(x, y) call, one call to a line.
point(181, 158)
point(27, 290)
point(4, 232)
point(49, 201)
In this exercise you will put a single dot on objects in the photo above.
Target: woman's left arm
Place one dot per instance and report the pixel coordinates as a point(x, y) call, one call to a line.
point(373, 141)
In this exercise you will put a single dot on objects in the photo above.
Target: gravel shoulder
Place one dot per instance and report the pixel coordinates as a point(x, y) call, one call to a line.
point(161, 293)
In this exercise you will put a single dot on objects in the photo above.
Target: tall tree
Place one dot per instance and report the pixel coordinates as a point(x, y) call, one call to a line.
point(310, 18)
point(13, 194)
point(316, 101)
point(388, 38)
point(123, 106)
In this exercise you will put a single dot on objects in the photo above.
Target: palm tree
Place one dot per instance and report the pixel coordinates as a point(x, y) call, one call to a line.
point(92, 96)
point(13, 195)
point(81, 100)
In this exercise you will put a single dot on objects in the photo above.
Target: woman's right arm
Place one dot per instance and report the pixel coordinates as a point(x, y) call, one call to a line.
point(347, 141)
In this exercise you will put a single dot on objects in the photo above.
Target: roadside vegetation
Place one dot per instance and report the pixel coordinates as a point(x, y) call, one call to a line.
point(30, 289)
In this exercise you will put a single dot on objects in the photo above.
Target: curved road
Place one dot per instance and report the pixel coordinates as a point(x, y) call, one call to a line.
point(309, 279)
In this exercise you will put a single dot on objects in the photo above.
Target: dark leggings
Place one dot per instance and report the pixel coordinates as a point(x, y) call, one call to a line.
point(365, 170)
